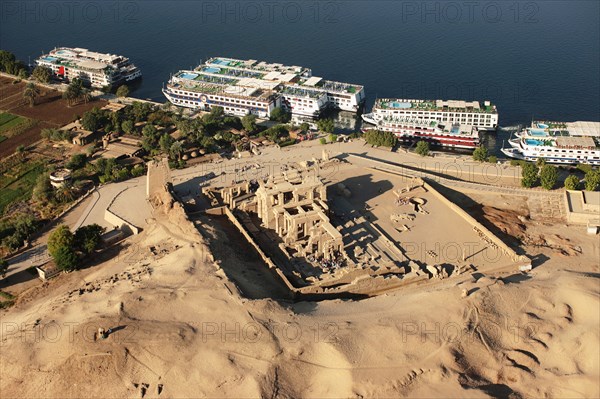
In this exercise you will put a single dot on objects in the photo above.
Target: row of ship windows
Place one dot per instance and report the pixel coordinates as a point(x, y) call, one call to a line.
point(254, 103)
point(93, 78)
point(576, 156)
point(336, 100)
point(443, 114)
point(424, 133)
point(467, 120)
point(216, 102)
point(303, 100)
point(571, 151)
point(245, 102)
point(339, 96)
point(480, 122)
point(559, 160)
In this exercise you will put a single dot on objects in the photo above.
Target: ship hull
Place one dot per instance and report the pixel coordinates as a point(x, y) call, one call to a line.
point(441, 141)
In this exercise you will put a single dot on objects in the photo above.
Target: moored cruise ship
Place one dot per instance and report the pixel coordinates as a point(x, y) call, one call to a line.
point(558, 142)
point(96, 69)
point(296, 88)
point(410, 130)
point(445, 111)
point(236, 96)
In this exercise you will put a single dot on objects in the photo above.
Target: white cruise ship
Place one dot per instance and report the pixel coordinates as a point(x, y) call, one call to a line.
point(96, 69)
point(434, 132)
point(194, 90)
point(558, 142)
point(450, 112)
point(292, 87)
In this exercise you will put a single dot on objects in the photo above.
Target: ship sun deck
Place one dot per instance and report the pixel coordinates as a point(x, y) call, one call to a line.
point(560, 129)
point(228, 90)
point(567, 142)
point(199, 77)
point(433, 106)
point(330, 85)
point(301, 92)
point(254, 65)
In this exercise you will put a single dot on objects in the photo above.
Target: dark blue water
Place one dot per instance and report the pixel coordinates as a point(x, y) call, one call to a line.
point(533, 59)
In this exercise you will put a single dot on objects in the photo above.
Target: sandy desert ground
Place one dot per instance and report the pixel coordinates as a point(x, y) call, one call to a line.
point(181, 329)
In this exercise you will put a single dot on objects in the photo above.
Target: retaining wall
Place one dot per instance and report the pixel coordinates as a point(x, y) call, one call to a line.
point(116, 220)
point(459, 211)
point(272, 266)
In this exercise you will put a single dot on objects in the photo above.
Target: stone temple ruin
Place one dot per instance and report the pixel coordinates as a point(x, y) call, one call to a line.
point(331, 247)
point(291, 207)
point(287, 219)
point(297, 211)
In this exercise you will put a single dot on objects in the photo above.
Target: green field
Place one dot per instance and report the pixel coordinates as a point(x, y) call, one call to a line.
point(9, 122)
point(20, 186)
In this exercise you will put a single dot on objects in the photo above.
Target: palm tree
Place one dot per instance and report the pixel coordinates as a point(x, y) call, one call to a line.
point(77, 86)
point(69, 95)
point(86, 95)
point(30, 93)
point(65, 193)
point(176, 150)
point(75, 92)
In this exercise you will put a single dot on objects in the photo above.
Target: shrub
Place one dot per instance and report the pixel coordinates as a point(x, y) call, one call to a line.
point(56, 134)
point(61, 246)
point(584, 167)
point(529, 175)
point(123, 91)
point(96, 119)
point(138, 170)
point(249, 122)
point(42, 191)
point(127, 126)
point(422, 148)
point(592, 180)
point(276, 132)
point(326, 125)
point(572, 182)
point(64, 246)
point(379, 138)
point(60, 237)
point(492, 159)
point(42, 74)
point(548, 176)
point(65, 258)
point(87, 238)
point(77, 161)
point(280, 115)
point(18, 230)
point(323, 140)
point(3, 267)
point(333, 137)
point(480, 154)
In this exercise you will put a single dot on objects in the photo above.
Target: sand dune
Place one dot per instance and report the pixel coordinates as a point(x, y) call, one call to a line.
point(181, 329)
